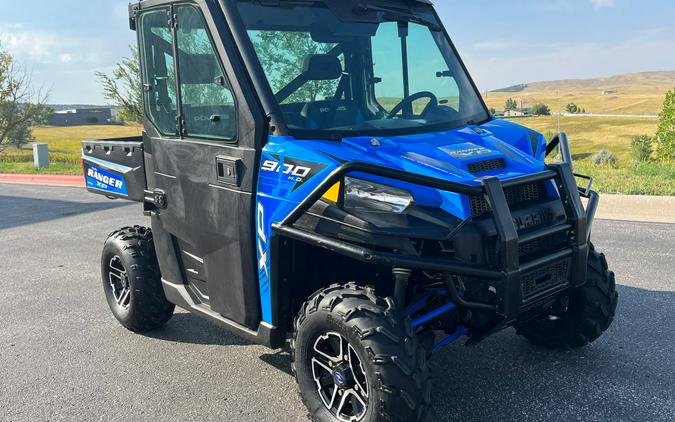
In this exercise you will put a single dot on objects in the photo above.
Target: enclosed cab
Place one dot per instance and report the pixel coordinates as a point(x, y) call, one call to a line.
point(326, 173)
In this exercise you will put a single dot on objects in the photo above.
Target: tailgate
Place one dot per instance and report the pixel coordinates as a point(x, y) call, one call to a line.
point(115, 167)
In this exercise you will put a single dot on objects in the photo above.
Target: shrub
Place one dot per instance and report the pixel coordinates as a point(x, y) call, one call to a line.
point(540, 109)
point(665, 135)
point(510, 104)
point(641, 147)
point(606, 158)
point(572, 108)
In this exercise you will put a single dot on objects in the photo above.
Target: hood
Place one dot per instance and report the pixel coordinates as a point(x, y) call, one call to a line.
point(461, 155)
point(496, 148)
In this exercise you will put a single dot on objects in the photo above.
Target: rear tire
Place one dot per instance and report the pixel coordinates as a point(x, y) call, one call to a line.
point(590, 311)
point(132, 281)
point(394, 374)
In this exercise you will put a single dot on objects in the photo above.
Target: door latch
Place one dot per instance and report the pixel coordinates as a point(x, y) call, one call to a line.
point(154, 201)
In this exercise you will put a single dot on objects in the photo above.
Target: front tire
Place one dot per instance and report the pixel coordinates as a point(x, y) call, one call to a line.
point(132, 280)
point(589, 313)
point(356, 359)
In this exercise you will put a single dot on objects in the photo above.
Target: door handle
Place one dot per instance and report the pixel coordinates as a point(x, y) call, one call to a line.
point(227, 170)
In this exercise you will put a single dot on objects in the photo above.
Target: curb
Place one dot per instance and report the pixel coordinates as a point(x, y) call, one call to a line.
point(43, 180)
point(648, 209)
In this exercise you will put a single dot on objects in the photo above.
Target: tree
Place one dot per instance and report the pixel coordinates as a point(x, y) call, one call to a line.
point(540, 109)
point(124, 87)
point(572, 108)
point(21, 106)
point(665, 135)
point(493, 111)
point(641, 147)
point(282, 54)
point(510, 104)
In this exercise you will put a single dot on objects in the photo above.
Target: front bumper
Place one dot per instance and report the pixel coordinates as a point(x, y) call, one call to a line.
point(512, 278)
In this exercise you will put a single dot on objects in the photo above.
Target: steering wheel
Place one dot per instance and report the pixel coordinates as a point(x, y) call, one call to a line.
point(433, 103)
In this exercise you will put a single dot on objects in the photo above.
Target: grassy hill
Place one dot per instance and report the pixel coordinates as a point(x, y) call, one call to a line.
point(629, 94)
point(634, 93)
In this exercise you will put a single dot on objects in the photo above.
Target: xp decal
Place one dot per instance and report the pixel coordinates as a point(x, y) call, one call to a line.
point(98, 178)
point(262, 241)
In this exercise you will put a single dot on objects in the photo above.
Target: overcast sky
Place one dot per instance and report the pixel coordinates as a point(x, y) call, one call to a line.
point(503, 42)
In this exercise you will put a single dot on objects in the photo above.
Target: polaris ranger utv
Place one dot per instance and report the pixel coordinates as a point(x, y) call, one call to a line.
point(325, 171)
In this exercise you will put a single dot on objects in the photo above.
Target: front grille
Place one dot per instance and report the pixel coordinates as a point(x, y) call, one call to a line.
point(527, 250)
point(479, 205)
point(543, 244)
point(545, 278)
point(515, 196)
point(487, 165)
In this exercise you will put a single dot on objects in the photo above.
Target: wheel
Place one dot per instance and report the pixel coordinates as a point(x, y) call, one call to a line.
point(356, 359)
point(588, 313)
point(132, 281)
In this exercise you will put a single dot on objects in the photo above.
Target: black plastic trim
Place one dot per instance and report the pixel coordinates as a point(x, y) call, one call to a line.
point(509, 275)
point(266, 334)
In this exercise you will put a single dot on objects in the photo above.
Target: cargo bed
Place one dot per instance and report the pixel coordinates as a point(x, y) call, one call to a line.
point(115, 167)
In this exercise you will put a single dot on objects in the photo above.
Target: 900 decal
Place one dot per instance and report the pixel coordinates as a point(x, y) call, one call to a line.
point(293, 170)
point(288, 169)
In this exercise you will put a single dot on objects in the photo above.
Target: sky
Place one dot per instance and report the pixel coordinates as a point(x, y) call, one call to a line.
point(502, 42)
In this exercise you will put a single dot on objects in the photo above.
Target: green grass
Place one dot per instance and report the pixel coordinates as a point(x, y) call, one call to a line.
point(588, 135)
point(64, 148)
point(68, 139)
point(642, 179)
point(27, 168)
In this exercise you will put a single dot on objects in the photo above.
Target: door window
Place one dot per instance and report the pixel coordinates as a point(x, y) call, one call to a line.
point(159, 82)
point(208, 104)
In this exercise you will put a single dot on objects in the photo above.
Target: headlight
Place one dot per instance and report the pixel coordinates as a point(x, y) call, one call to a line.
point(365, 195)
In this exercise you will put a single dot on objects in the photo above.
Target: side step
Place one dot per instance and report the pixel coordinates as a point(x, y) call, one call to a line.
point(267, 335)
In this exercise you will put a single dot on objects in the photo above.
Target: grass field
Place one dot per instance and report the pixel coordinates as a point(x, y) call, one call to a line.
point(641, 179)
point(593, 101)
point(67, 139)
point(27, 168)
point(64, 148)
point(589, 135)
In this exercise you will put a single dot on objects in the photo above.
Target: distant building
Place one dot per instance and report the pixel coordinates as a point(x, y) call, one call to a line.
point(609, 92)
point(516, 113)
point(80, 116)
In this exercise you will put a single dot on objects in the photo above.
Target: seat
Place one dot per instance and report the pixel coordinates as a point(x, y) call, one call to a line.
point(331, 113)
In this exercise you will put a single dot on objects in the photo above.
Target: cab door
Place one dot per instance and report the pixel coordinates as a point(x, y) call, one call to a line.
point(199, 144)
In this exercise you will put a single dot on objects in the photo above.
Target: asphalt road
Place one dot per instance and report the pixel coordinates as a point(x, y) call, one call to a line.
point(64, 357)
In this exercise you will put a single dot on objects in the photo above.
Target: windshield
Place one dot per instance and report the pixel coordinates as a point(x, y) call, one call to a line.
point(384, 71)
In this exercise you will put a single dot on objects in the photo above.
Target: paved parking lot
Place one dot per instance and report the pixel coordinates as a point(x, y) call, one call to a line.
point(64, 357)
